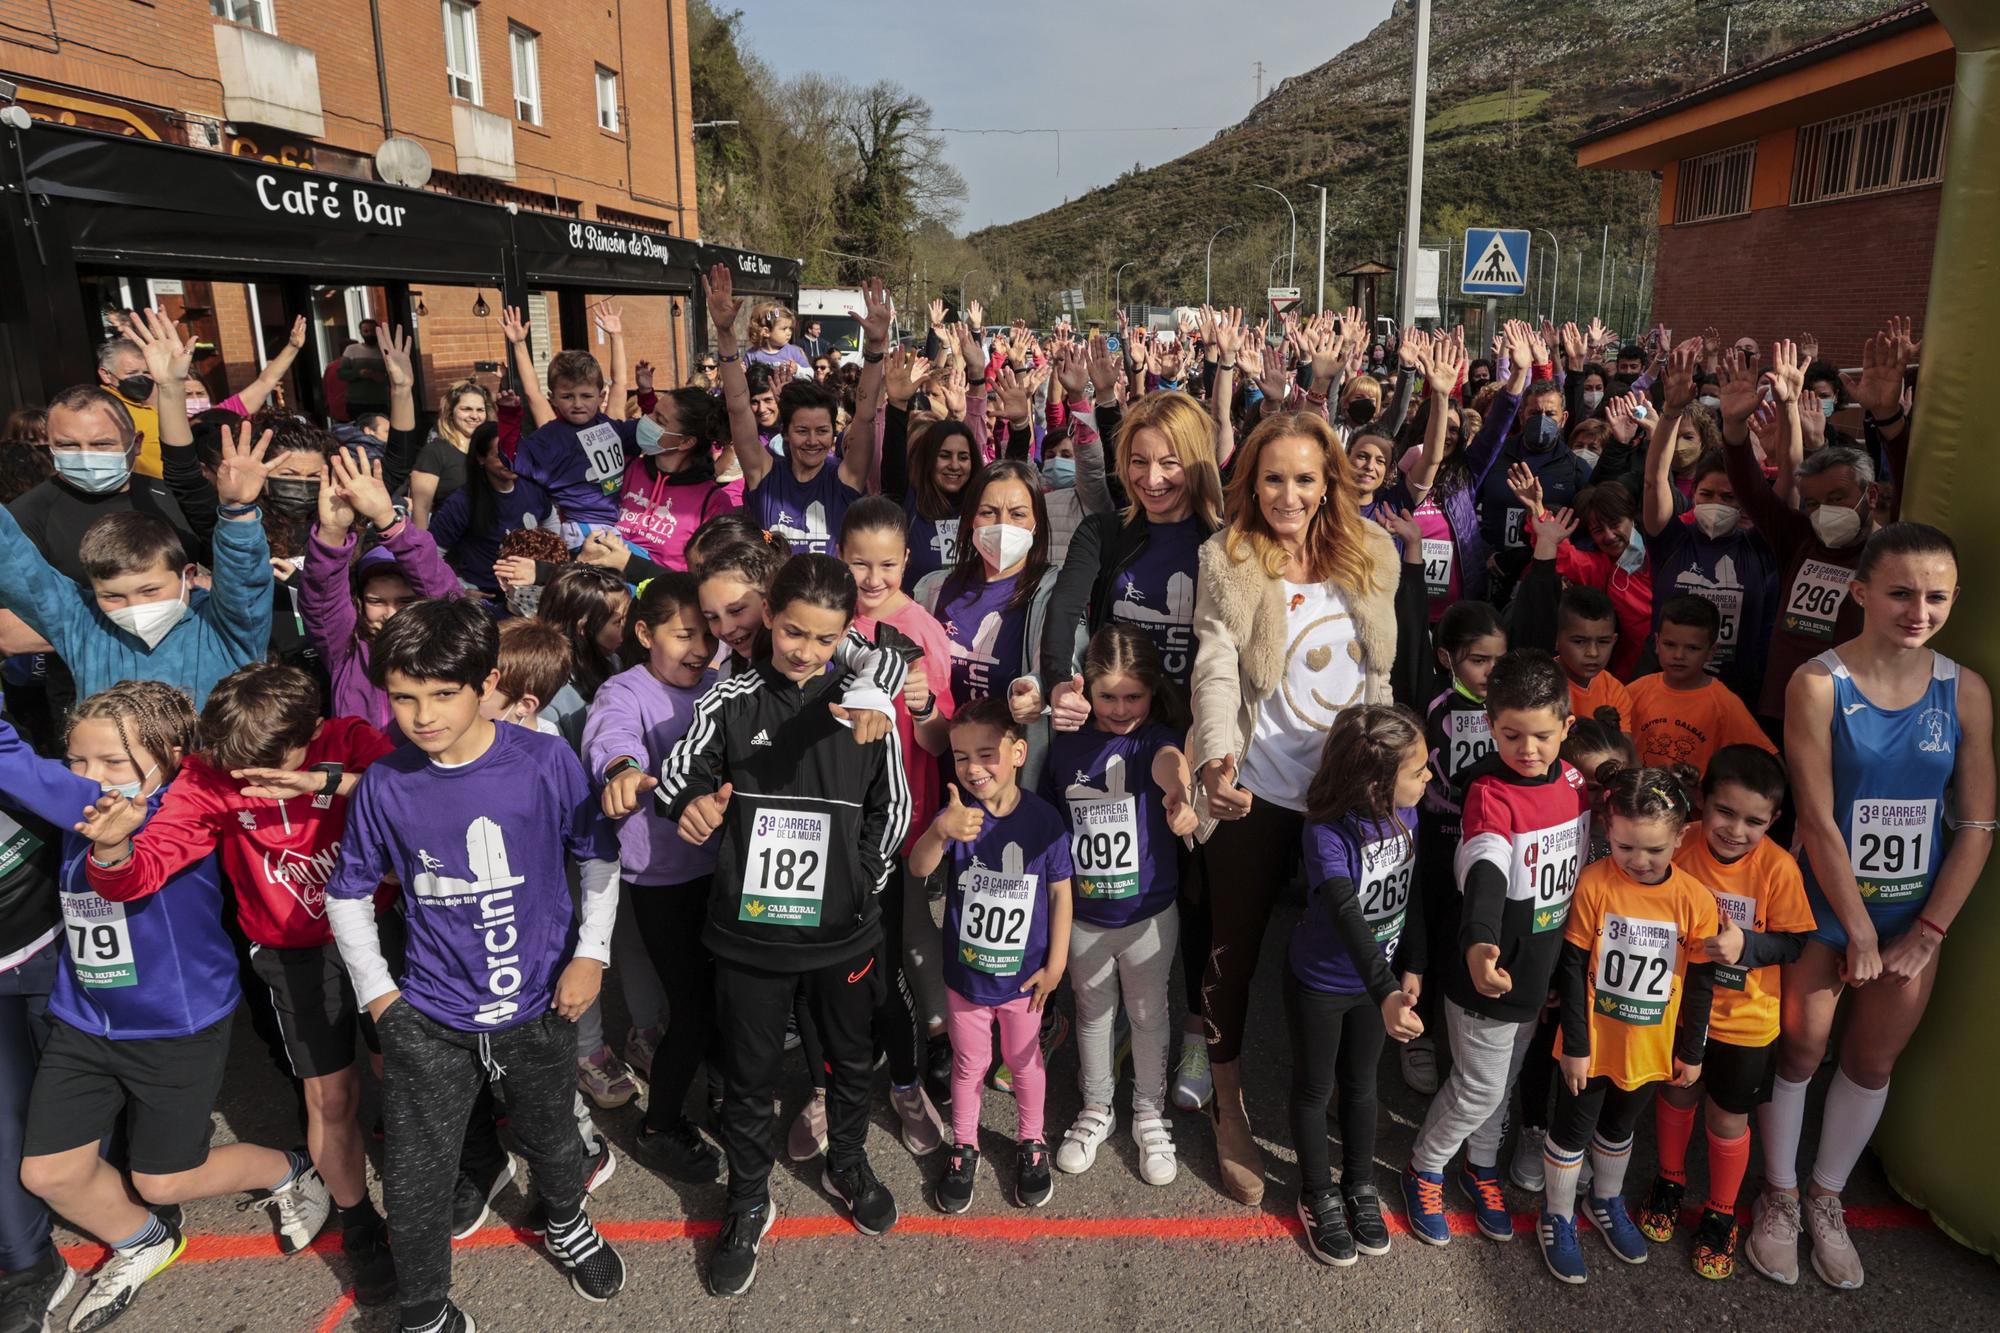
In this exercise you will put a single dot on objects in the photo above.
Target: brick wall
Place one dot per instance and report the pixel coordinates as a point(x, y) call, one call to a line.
point(1836, 270)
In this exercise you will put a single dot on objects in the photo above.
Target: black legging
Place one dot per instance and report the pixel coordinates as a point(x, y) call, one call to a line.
point(1336, 1042)
point(897, 1032)
point(1197, 931)
point(670, 918)
point(1247, 862)
point(1538, 1072)
point(1602, 1108)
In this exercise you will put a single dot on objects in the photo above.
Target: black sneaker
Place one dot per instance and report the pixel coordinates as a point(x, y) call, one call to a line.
point(1033, 1184)
point(596, 1272)
point(961, 1169)
point(937, 1070)
point(367, 1251)
point(1364, 1215)
point(869, 1204)
point(678, 1151)
point(472, 1200)
point(1325, 1220)
point(453, 1320)
point(733, 1266)
point(28, 1294)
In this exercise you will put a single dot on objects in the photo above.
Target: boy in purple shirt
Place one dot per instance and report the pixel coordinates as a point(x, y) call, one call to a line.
point(579, 458)
point(498, 966)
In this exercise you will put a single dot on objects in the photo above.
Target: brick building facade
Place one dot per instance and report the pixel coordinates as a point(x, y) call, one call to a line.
point(574, 110)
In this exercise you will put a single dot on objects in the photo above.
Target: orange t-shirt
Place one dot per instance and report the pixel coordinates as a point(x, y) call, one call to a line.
point(1607, 691)
point(1641, 938)
point(1764, 892)
point(1688, 726)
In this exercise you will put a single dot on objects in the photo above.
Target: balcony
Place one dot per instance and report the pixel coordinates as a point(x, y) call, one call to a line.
point(268, 82)
point(484, 142)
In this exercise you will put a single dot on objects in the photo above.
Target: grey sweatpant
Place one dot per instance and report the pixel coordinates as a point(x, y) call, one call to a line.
point(1136, 960)
point(1471, 1107)
point(431, 1075)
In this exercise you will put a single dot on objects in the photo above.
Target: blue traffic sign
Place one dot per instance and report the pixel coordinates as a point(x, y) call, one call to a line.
point(1496, 262)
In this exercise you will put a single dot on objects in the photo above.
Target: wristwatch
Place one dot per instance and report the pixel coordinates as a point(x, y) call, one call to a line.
point(333, 772)
point(623, 762)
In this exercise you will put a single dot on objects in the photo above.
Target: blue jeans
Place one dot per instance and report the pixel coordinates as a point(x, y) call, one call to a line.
point(24, 1026)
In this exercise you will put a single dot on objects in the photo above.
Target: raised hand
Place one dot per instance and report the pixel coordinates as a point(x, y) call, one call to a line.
point(168, 355)
point(1072, 372)
point(1103, 367)
point(1482, 964)
point(1679, 389)
point(512, 326)
point(1526, 486)
point(239, 477)
point(705, 814)
point(718, 289)
point(336, 512)
point(1809, 347)
point(1444, 365)
point(972, 350)
point(642, 375)
point(1226, 800)
point(1538, 347)
point(975, 314)
point(1574, 351)
point(1520, 342)
point(937, 315)
point(1618, 414)
point(395, 348)
point(1599, 334)
point(1884, 358)
point(1014, 392)
point(1276, 380)
point(953, 391)
point(360, 480)
point(1405, 529)
point(610, 321)
point(958, 821)
point(297, 337)
point(1551, 530)
point(879, 315)
point(1738, 390)
point(1787, 375)
point(902, 371)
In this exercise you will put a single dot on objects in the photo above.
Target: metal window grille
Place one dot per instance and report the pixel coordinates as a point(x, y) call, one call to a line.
point(1715, 185)
point(1889, 147)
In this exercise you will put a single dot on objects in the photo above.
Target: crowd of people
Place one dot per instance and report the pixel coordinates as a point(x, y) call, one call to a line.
point(926, 711)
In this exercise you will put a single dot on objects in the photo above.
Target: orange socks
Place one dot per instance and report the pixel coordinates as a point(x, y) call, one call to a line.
point(1673, 1126)
point(1728, 1159)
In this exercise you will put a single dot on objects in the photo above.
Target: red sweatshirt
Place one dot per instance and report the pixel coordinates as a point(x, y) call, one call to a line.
point(277, 855)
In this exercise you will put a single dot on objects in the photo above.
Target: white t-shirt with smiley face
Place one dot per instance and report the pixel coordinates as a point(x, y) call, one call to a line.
point(1321, 676)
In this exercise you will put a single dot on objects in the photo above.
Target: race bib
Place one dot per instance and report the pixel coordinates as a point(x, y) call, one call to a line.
point(1468, 739)
point(994, 920)
point(784, 871)
point(16, 845)
point(1728, 603)
point(944, 542)
point(1544, 872)
point(1386, 870)
point(1512, 537)
point(1890, 845)
point(603, 453)
point(100, 943)
point(1105, 846)
point(1438, 555)
point(1816, 595)
point(1635, 969)
point(1743, 911)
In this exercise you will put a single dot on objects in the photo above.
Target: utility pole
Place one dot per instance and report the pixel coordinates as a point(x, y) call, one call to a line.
point(1555, 274)
point(1260, 80)
point(1413, 203)
point(1320, 300)
point(1603, 258)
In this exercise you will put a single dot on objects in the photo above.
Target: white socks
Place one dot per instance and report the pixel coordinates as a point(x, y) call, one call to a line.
point(1607, 1166)
point(1781, 1120)
point(1560, 1169)
point(1846, 1124)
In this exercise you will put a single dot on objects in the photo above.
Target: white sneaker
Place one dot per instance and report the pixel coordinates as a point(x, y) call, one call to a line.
point(117, 1283)
point(1079, 1147)
point(1194, 1086)
point(1525, 1169)
point(1420, 1065)
point(1157, 1163)
point(299, 1209)
point(1833, 1254)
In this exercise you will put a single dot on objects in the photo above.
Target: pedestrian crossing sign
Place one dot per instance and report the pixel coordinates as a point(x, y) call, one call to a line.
point(1496, 262)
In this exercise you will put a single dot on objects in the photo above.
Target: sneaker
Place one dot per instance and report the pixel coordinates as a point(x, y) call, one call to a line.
point(1662, 1210)
point(679, 1152)
point(1833, 1254)
point(1773, 1244)
point(1423, 1201)
point(1324, 1217)
point(471, 1202)
point(1561, 1250)
point(641, 1045)
point(1481, 1187)
point(1525, 1167)
point(1158, 1164)
point(453, 1320)
point(1364, 1218)
point(733, 1266)
point(603, 1164)
point(117, 1283)
point(1614, 1222)
point(27, 1295)
point(603, 1078)
point(1092, 1126)
point(923, 1127)
point(596, 1273)
point(1000, 1078)
point(1032, 1182)
point(299, 1209)
point(961, 1171)
point(1194, 1087)
point(1715, 1244)
point(1420, 1065)
point(367, 1251)
point(937, 1069)
point(807, 1139)
point(869, 1204)
point(792, 1039)
point(1055, 1031)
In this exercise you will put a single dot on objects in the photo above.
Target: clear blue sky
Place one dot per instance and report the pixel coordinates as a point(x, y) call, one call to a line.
point(1070, 64)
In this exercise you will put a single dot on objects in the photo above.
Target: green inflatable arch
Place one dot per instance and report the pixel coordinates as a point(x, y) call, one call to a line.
point(1937, 1139)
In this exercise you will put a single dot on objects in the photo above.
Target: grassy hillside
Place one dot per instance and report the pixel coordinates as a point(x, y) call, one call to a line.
point(1510, 85)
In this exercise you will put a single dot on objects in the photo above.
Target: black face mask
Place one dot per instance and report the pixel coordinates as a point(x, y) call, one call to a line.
point(293, 495)
point(136, 388)
point(1361, 411)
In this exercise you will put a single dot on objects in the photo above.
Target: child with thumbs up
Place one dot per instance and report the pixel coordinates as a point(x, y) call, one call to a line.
point(1765, 918)
point(1006, 855)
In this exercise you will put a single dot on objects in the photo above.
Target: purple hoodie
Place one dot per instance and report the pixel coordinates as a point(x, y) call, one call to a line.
point(329, 603)
point(636, 714)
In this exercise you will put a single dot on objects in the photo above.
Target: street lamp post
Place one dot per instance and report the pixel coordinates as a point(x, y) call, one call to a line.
point(1555, 280)
point(1319, 301)
point(961, 286)
point(1208, 269)
point(1413, 201)
point(1118, 287)
point(1291, 263)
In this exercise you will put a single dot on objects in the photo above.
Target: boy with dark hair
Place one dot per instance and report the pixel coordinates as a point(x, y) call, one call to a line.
point(1526, 828)
point(1586, 635)
point(499, 963)
point(579, 458)
point(1682, 714)
point(269, 790)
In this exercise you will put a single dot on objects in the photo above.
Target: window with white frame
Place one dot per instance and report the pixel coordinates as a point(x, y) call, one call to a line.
point(607, 100)
point(1889, 147)
point(1715, 185)
point(250, 13)
point(461, 50)
point(526, 48)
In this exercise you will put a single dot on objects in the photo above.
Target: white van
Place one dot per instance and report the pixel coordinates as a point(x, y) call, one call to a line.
point(840, 332)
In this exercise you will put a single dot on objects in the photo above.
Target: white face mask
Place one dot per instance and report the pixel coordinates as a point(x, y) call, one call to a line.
point(1587, 457)
point(1716, 520)
point(130, 790)
point(1591, 398)
point(92, 470)
point(150, 621)
point(1836, 525)
point(1003, 544)
point(1709, 401)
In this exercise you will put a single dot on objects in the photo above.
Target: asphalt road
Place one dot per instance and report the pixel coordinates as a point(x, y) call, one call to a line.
point(1108, 1252)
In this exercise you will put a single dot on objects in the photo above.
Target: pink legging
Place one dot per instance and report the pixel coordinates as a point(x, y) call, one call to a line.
point(971, 1027)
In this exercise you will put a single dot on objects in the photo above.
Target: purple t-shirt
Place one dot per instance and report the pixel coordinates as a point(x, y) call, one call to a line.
point(808, 513)
point(482, 851)
point(1155, 594)
point(1379, 859)
point(996, 904)
point(582, 467)
point(636, 713)
point(985, 639)
point(1120, 848)
point(933, 543)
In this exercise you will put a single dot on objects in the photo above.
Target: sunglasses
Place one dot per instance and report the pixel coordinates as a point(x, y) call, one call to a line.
point(708, 365)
